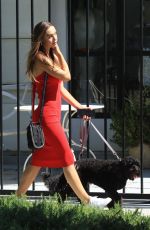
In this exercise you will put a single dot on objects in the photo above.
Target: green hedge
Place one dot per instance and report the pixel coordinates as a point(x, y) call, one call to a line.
point(47, 214)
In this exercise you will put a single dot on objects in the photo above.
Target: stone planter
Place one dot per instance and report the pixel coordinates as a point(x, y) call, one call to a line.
point(135, 152)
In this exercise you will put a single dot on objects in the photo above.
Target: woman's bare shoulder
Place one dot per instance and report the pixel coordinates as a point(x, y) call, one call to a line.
point(40, 56)
point(43, 59)
point(38, 64)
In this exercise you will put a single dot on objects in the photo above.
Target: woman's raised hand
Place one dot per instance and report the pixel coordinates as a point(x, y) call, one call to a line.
point(57, 49)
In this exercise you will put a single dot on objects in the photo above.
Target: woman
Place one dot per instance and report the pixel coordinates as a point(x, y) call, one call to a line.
point(46, 57)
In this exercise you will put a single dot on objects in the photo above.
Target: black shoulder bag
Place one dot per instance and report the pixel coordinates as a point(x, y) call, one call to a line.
point(35, 135)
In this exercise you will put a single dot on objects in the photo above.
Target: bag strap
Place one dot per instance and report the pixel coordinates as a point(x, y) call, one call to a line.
point(33, 97)
point(43, 97)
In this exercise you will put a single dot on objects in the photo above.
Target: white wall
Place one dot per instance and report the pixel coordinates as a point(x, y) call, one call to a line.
point(9, 59)
point(59, 19)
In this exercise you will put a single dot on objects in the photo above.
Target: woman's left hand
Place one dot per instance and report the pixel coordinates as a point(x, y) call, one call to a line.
point(85, 113)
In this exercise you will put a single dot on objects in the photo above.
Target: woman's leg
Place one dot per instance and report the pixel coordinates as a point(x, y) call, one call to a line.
point(27, 179)
point(74, 181)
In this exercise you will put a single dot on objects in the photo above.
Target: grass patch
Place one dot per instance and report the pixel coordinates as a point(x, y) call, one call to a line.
point(48, 214)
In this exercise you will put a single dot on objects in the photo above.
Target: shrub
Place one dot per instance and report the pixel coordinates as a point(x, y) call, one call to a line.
point(131, 118)
point(21, 214)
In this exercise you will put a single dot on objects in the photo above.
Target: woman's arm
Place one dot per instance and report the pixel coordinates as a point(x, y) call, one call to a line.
point(61, 60)
point(58, 69)
point(69, 98)
point(72, 101)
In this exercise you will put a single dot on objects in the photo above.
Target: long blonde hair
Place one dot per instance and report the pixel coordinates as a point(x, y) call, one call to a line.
point(37, 37)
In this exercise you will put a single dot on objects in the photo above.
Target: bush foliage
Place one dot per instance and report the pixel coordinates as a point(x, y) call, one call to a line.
point(48, 214)
point(130, 117)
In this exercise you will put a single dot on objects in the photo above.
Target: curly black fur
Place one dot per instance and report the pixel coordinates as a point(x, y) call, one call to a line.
point(111, 175)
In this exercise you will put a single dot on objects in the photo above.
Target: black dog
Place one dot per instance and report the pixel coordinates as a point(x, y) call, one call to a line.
point(111, 175)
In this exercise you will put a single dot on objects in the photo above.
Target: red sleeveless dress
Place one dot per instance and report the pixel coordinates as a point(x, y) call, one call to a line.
point(56, 152)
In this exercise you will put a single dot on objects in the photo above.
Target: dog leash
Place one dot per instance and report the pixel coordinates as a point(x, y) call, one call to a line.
point(106, 142)
point(84, 132)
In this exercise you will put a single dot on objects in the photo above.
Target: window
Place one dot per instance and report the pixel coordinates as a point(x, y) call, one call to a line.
point(108, 42)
